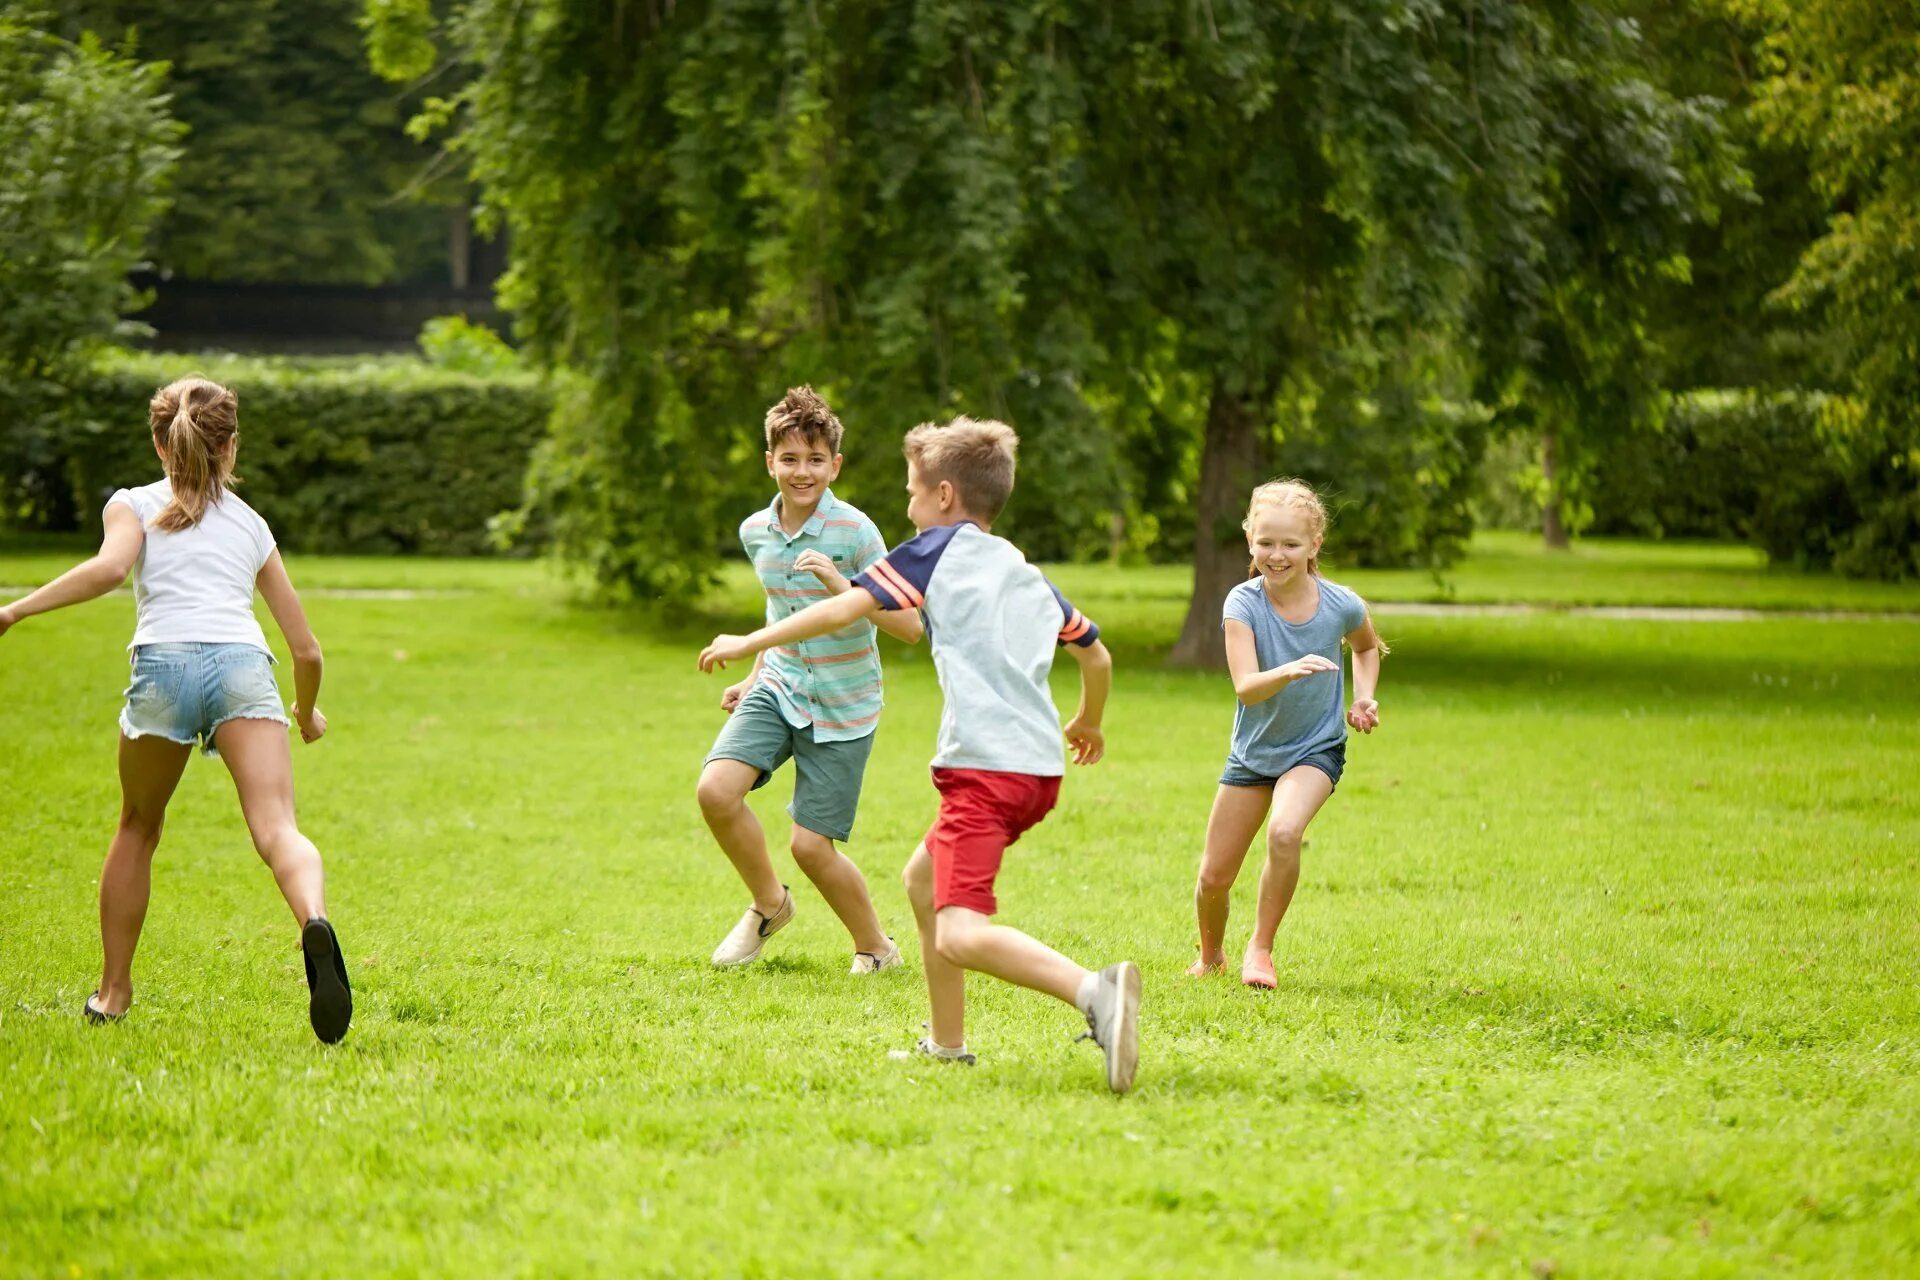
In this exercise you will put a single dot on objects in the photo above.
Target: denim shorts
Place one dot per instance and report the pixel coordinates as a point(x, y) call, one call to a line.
point(1332, 762)
point(183, 692)
point(826, 775)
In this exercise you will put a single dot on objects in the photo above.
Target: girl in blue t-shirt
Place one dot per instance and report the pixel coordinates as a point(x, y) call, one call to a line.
point(1283, 630)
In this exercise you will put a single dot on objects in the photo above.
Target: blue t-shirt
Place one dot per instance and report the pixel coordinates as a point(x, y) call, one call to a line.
point(1307, 716)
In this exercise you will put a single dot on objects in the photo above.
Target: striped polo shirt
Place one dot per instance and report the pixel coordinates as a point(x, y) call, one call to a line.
point(832, 682)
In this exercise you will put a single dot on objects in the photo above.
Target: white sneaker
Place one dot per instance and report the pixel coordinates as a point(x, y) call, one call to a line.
point(1114, 1023)
point(742, 946)
point(868, 962)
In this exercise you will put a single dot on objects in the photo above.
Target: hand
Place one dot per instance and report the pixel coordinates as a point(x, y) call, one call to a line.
point(730, 698)
point(313, 725)
point(1311, 665)
point(6, 619)
point(1088, 743)
point(723, 650)
point(820, 565)
point(1364, 715)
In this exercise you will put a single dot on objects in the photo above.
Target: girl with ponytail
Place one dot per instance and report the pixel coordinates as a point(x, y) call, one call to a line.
point(202, 673)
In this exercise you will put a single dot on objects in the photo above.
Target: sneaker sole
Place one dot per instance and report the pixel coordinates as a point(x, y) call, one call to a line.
point(330, 1008)
point(1124, 1058)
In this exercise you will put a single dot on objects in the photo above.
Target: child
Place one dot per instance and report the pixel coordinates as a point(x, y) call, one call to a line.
point(995, 621)
point(816, 701)
point(202, 671)
point(1283, 632)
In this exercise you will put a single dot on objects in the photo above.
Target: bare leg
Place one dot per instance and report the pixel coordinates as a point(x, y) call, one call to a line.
point(969, 940)
point(150, 769)
point(842, 885)
point(1237, 815)
point(723, 803)
point(1297, 797)
point(946, 982)
point(261, 762)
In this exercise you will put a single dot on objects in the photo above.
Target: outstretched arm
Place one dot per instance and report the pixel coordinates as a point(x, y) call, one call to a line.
point(102, 572)
point(819, 619)
point(1096, 681)
point(276, 588)
point(1252, 685)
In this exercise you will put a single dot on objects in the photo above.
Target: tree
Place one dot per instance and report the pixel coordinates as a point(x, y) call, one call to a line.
point(297, 165)
point(1842, 79)
point(1085, 218)
point(90, 147)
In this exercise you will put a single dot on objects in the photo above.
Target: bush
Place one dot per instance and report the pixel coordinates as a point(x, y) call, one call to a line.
point(340, 455)
point(1809, 479)
point(89, 146)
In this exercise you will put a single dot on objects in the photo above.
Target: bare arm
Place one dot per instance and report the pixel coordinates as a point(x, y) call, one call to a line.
point(93, 577)
point(1364, 714)
point(1252, 685)
point(276, 588)
point(1096, 682)
point(819, 619)
point(904, 625)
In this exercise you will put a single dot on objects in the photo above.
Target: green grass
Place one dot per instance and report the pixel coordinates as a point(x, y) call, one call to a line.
point(1602, 964)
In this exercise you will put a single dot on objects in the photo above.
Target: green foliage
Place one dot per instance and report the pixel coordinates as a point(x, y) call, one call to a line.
point(1809, 479)
point(1601, 197)
point(458, 344)
point(340, 455)
point(297, 167)
point(1842, 80)
point(1093, 222)
point(89, 148)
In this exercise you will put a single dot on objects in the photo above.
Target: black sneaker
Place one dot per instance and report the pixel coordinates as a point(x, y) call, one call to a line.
point(331, 1007)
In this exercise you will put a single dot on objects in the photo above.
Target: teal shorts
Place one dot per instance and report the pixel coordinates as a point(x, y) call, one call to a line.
point(826, 775)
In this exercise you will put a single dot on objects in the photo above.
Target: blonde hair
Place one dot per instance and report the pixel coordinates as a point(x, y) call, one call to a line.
point(196, 422)
point(1298, 495)
point(975, 456)
point(1289, 495)
point(803, 412)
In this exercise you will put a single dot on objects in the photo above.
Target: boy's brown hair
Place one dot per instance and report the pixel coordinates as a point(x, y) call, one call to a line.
point(803, 412)
point(975, 456)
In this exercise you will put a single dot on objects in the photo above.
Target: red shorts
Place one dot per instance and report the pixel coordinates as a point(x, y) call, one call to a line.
point(982, 811)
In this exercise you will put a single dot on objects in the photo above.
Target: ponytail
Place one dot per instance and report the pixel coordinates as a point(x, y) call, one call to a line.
point(195, 422)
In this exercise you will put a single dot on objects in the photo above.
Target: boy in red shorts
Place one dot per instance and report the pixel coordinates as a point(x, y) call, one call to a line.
point(994, 621)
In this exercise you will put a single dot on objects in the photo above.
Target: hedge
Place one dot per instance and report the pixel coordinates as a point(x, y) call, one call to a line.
point(377, 455)
point(1807, 478)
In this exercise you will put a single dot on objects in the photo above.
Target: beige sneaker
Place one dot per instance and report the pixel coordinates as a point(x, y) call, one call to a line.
point(868, 962)
point(742, 946)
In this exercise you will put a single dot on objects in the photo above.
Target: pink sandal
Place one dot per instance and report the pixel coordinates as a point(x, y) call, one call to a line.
point(1201, 969)
point(1256, 970)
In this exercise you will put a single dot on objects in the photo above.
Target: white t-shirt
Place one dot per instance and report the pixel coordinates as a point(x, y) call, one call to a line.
point(197, 585)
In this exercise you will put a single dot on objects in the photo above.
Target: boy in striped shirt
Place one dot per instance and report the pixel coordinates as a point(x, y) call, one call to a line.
point(816, 701)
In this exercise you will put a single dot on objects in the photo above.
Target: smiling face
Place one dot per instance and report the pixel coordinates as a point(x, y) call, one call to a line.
point(803, 469)
point(1283, 544)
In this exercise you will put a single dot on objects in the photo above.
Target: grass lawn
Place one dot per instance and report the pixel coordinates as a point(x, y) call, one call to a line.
point(1603, 963)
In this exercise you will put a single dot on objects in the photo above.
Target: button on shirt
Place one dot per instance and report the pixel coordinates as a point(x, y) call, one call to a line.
point(832, 682)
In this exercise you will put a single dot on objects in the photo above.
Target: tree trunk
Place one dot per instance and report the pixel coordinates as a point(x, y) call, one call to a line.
point(1552, 528)
point(1233, 459)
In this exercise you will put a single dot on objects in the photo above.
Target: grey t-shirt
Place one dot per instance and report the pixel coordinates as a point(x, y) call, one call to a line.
point(1306, 717)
